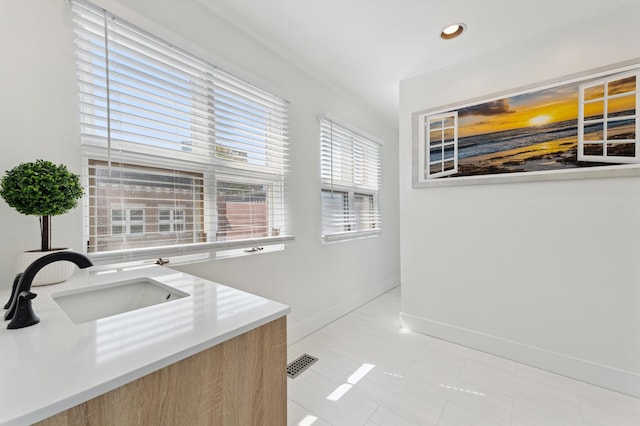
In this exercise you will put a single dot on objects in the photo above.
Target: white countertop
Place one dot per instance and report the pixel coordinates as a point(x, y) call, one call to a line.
point(56, 364)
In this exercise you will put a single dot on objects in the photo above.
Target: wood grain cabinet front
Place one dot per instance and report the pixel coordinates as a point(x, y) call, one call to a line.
point(241, 381)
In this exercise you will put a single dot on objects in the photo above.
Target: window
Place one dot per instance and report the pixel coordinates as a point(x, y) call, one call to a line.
point(180, 156)
point(438, 135)
point(350, 171)
point(127, 221)
point(171, 219)
point(608, 120)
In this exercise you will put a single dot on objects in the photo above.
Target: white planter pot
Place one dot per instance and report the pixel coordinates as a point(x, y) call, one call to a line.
point(53, 273)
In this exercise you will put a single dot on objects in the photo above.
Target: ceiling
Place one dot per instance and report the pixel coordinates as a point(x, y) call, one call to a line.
point(366, 47)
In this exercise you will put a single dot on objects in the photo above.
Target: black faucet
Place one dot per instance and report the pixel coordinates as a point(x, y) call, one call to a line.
point(21, 295)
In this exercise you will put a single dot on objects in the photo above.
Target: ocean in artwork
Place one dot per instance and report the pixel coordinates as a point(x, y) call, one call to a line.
point(539, 131)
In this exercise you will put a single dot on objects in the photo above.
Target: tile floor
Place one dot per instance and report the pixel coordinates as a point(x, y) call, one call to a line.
point(421, 380)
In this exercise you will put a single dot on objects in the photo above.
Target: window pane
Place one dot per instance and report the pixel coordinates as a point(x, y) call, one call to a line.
point(449, 122)
point(435, 137)
point(621, 130)
point(364, 207)
point(154, 188)
point(623, 106)
point(435, 168)
point(335, 212)
point(435, 155)
point(623, 85)
point(449, 152)
point(117, 215)
point(593, 149)
point(448, 136)
point(621, 149)
point(435, 123)
point(242, 211)
point(595, 92)
point(594, 110)
point(593, 132)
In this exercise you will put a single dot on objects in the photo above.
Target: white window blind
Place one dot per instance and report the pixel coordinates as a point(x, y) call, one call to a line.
point(200, 153)
point(350, 173)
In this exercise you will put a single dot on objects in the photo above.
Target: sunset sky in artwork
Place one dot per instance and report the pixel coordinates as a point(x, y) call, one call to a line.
point(534, 109)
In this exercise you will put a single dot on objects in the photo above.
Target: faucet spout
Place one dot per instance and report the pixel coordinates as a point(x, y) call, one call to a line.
point(24, 283)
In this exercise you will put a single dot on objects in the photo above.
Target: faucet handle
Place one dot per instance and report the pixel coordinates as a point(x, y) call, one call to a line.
point(16, 280)
point(24, 316)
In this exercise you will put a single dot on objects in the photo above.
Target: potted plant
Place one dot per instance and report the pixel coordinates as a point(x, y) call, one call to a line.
point(42, 189)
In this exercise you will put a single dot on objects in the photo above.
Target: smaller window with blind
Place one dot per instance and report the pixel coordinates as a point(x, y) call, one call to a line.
point(350, 171)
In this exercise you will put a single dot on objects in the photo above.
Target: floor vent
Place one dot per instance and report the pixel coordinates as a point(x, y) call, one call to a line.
point(299, 365)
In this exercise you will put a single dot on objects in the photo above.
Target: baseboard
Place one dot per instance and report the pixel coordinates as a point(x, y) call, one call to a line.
point(587, 371)
point(302, 329)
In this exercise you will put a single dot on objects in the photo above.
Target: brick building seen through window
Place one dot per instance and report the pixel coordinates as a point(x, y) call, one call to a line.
point(135, 206)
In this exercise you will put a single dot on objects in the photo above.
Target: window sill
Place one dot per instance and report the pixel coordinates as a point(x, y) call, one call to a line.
point(180, 260)
point(190, 253)
point(353, 235)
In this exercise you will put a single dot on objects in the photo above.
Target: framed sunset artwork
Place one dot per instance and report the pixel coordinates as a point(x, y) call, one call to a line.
point(585, 126)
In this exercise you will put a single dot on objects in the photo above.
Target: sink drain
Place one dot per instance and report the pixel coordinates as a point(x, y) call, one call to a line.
point(297, 366)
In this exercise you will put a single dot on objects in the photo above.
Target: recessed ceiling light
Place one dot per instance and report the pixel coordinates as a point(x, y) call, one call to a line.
point(452, 31)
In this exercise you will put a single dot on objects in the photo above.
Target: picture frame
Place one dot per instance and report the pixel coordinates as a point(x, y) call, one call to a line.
point(579, 126)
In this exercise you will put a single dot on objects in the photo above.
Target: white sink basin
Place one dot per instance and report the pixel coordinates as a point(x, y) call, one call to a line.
point(101, 301)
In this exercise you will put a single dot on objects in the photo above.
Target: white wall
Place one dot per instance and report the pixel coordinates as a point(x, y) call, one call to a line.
point(545, 273)
point(39, 119)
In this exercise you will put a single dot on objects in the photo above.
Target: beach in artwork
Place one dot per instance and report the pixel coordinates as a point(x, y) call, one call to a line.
point(550, 155)
point(539, 131)
point(553, 154)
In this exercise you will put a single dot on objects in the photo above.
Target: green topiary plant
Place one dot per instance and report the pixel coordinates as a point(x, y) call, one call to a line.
point(41, 189)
